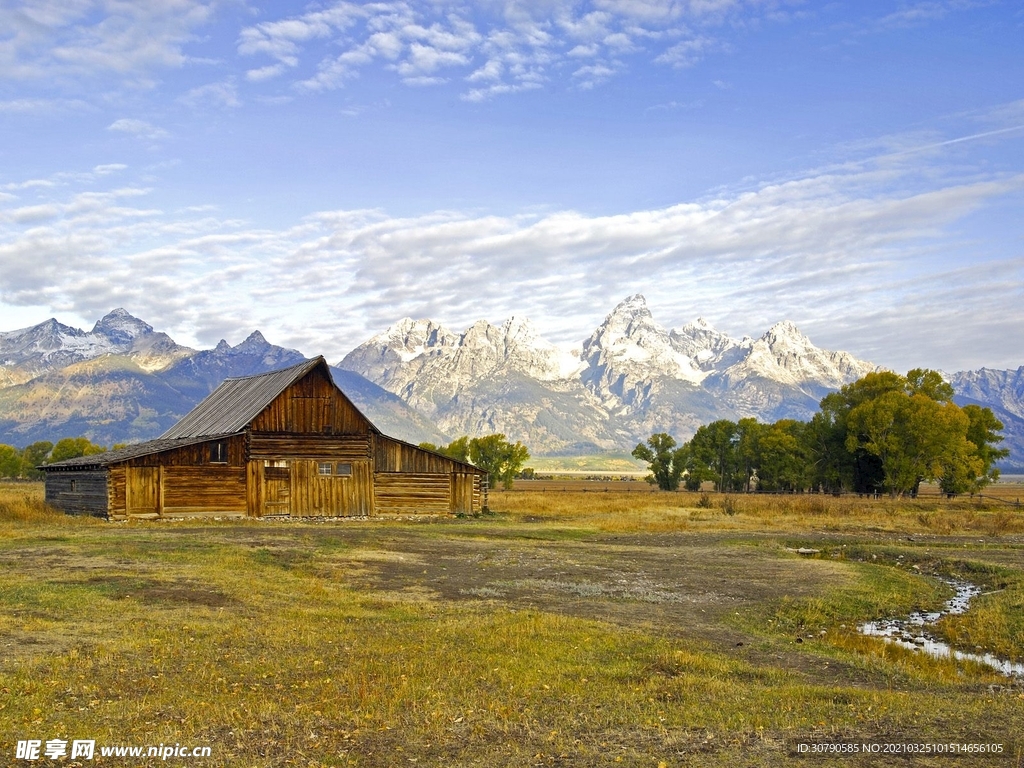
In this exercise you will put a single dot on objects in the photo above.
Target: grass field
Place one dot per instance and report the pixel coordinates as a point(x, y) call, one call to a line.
point(573, 626)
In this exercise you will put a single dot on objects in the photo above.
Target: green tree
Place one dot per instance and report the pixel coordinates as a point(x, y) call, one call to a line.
point(914, 437)
point(10, 461)
point(921, 381)
point(830, 466)
point(782, 459)
point(457, 449)
point(749, 433)
point(714, 452)
point(33, 456)
point(971, 473)
point(666, 462)
point(501, 459)
point(72, 448)
point(834, 464)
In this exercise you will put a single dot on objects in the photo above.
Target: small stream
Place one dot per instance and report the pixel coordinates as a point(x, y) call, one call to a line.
point(910, 632)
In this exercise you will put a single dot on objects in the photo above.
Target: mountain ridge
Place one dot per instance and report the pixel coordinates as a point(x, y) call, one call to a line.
point(631, 377)
point(417, 380)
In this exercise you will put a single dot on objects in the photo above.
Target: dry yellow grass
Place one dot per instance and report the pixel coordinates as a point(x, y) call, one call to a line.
point(270, 643)
point(606, 506)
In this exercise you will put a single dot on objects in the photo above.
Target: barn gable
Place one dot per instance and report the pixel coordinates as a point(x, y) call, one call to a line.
point(288, 443)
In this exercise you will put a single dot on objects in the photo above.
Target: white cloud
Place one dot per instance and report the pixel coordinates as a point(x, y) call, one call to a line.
point(265, 73)
point(686, 53)
point(223, 94)
point(41, 106)
point(827, 250)
point(138, 128)
point(512, 46)
point(53, 39)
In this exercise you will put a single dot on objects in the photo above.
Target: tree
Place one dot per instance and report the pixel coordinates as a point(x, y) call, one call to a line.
point(971, 473)
point(831, 466)
point(501, 459)
point(921, 381)
point(457, 449)
point(10, 461)
point(72, 448)
point(914, 436)
point(666, 462)
point(33, 456)
point(748, 449)
point(714, 452)
point(782, 460)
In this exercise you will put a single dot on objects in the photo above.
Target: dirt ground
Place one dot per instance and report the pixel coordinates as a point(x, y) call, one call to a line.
point(682, 585)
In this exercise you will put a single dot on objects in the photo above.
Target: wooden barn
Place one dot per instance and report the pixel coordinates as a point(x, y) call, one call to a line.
point(287, 443)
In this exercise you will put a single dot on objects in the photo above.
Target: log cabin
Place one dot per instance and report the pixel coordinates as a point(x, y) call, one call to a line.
point(284, 444)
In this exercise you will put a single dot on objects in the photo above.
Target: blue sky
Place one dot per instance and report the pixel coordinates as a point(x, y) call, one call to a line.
point(319, 171)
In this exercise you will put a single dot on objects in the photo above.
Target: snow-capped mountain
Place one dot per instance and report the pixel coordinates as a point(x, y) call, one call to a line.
point(1003, 392)
point(417, 380)
point(122, 381)
point(488, 379)
point(50, 346)
point(630, 377)
point(629, 351)
point(1002, 388)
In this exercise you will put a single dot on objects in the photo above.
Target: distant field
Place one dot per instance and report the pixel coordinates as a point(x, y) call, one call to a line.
point(574, 626)
point(602, 464)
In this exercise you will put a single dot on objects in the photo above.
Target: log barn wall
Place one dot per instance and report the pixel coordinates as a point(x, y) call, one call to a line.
point(80, 493)
point(312, 405)
point(295, 446)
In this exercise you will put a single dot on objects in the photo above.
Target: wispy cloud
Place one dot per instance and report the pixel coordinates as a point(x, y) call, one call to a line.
point(834, 244)
point(55, 39)
point(138, 128)
point(496, 48)
point(219, 95)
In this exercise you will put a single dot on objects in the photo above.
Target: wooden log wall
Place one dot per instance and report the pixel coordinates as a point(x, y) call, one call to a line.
point(393, 455)
point(463, 489)
point(313, 494)
point(196, 454)
point(312, 405)
point(406, 493)
point(264, 445)
point(209, 490)
point(81, 492)
point(180, 482)
point(116, 492)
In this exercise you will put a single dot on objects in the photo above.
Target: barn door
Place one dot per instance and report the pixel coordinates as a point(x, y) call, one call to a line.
point(142, 491)
point(277, 488)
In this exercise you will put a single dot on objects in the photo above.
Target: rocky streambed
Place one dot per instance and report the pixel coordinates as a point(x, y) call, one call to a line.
point(912, 631)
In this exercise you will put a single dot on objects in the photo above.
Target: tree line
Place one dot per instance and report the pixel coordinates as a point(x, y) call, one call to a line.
point(21, 463)
point(884, 433)
point(501, 459)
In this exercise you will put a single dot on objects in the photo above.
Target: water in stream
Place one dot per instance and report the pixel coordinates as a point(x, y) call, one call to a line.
point(910, 632)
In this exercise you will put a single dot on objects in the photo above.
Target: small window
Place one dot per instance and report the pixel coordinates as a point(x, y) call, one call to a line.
point(218, 453)
point(343, 469)
point(74, 485)
point(324, 468)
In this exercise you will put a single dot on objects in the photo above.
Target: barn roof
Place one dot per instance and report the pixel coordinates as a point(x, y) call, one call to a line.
point(236, 402)
point(226, 411)
point(105, 459)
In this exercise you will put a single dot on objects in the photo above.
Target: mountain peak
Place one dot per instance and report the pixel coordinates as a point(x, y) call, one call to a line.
point(121, 327)
point(632, 306)
point(254, 339)
point(785, 328)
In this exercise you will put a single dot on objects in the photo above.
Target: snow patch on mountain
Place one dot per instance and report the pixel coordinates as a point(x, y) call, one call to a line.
point(631, 376)
point(50, 346)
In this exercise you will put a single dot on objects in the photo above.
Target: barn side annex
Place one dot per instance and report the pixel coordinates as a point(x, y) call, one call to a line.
point(288, 443)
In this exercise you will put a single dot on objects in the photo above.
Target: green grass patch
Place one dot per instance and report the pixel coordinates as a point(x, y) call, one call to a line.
point(295, 644)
